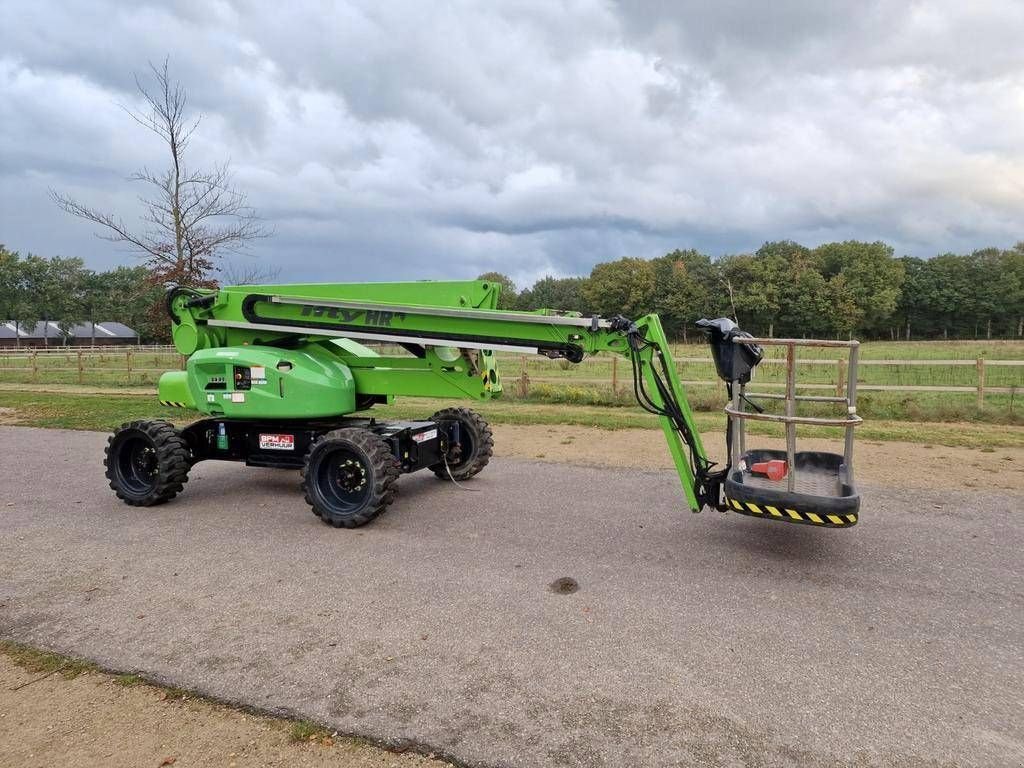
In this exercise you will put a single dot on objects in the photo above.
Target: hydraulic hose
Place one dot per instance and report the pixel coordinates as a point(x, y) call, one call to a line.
point(706, 482)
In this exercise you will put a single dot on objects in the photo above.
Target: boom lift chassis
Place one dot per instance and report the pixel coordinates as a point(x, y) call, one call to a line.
point(283, 380)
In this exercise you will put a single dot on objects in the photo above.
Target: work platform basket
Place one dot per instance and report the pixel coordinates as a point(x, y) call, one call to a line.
point(805, 487)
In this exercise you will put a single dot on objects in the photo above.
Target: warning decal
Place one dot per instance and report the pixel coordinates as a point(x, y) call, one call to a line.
point(277, 442)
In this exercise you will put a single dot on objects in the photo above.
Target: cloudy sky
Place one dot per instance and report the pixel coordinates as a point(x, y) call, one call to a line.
point(400, 140)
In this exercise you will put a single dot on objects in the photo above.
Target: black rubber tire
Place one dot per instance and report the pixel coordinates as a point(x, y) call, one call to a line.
point(147, 462)
point(329, 484)
point(476, 444)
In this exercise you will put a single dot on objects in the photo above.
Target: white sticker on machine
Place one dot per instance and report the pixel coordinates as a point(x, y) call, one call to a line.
point(238, 397)
point(277, 442)
point(258, 372)
point(422, 437)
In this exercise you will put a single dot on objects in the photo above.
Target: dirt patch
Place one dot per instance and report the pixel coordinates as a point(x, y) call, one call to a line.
point(564, 586)
point(899, 465)
point(8, 416)
point(93, 720)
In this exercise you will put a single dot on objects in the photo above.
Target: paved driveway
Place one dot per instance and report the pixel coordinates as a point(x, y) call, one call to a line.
point(693, 639)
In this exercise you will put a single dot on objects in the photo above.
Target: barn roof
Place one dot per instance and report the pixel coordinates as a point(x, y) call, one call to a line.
point(49, 329)
point(119, 329)
point(104, 330)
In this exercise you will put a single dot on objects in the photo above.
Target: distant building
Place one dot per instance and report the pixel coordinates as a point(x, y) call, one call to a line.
point(79, 335)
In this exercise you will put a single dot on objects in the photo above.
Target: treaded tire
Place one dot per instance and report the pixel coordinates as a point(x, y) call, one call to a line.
point(147, 462)
point(476, 444)
point(349, 477)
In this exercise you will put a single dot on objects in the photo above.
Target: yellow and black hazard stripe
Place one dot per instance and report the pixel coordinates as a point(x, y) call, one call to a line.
point(789, 515)
point(173, 404)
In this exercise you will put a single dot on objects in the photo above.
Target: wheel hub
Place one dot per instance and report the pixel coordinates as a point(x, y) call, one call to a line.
point(144, 461)
point(351, 476)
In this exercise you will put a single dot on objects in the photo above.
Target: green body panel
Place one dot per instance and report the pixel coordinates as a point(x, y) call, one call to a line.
point(430, 376)
point(314, 330)
point(173, 388)
point(309, 382)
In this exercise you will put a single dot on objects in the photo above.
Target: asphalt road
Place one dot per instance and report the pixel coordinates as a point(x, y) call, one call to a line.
point(693, 639)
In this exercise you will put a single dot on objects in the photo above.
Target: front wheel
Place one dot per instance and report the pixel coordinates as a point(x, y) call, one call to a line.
point(349, 477)
point(147, 462)
point(474, 448)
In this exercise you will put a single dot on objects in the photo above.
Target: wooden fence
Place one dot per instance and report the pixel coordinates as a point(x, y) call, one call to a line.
point(618, 374)
point(144, 364)
point(53, 364)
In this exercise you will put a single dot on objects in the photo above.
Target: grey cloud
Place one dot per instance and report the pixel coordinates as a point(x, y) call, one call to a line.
point(429, 140)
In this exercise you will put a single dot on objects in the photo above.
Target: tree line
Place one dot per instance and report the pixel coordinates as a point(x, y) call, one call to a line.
point(61, 290)
point(837, 290)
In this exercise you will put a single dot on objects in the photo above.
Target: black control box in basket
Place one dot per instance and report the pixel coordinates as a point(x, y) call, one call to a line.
point(734, 361)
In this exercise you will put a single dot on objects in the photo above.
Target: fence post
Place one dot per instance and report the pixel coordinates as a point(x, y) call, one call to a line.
point(840, 376)
point(128, 361)
point(523, 385)
point(980, 363)
point(615, 375)
point(35, 366)
point(79, 366)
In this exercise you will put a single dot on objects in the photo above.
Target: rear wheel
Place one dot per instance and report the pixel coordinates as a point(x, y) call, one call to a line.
point(147, 462)
point(474, 448)
point(349, 477)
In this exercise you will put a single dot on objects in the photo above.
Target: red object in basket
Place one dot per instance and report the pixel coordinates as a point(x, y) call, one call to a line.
point(776, 469)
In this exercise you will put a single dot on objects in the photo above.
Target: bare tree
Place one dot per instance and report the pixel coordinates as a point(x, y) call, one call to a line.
point(237, 272)
point(193, 217)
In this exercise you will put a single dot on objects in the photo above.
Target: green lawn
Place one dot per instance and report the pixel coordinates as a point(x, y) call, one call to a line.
point(104, 412)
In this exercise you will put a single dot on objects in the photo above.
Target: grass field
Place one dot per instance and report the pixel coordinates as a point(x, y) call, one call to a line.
point(884, 364)
point(75, 410)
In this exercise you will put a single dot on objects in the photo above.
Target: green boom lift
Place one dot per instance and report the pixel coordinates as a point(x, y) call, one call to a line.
point(283, 378)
